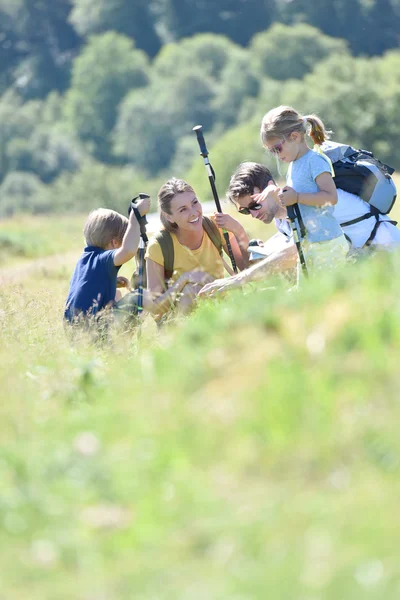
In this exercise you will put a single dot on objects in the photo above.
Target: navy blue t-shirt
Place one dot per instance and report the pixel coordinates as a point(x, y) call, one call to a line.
point(93, 283)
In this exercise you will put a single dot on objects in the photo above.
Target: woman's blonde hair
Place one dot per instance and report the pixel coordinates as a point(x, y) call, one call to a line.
point(165, 196)
point(104, 225)
point(280, 122)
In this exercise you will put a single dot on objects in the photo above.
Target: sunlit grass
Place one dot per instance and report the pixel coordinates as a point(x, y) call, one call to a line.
point(249, 452)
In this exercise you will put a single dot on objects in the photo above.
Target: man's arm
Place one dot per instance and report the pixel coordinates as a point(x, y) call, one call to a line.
point(282, 260)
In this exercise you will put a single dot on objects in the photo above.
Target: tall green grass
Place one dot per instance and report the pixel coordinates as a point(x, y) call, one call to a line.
point(250, 451)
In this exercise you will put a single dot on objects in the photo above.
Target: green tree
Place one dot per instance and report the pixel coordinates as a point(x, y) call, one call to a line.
point(46, 153)
point(210, 53)
point(237, 19)
point(383, 28)
point(105, 71)
point(131, 18)
point(226, 153)
point(151, 123)
point(285, 52)
point(237, 83)
point(143, 134)
point(37, 45)
point(22, 192)
point(17, 121)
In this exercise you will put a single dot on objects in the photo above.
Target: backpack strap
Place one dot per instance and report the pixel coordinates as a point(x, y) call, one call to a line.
point(164, 238)
point(368, 215)
point(213, 233)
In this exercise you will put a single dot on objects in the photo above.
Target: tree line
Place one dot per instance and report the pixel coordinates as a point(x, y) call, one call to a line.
point(100, 93)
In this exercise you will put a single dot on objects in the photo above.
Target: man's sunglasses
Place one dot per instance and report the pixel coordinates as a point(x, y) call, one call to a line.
point(245, 210)
point(277, 148)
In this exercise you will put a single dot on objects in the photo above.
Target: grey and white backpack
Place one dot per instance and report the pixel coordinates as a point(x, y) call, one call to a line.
point(359, 172)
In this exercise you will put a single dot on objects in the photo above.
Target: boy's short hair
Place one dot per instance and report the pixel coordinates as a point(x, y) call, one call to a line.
point(104, 225)
point(247, 176)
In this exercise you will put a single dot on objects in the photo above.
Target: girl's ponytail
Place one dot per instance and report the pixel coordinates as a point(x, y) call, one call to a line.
point(317, 133)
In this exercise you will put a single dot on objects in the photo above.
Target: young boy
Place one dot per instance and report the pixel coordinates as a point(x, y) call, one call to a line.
point(111, 241)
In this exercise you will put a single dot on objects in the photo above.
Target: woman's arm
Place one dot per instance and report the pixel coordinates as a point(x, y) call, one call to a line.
point(238, 238)
point(160, 302)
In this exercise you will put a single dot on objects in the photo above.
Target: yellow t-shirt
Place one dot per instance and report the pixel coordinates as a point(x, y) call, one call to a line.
point(206, 258)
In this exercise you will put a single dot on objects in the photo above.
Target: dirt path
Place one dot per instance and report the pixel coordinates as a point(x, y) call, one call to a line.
point(21, 271)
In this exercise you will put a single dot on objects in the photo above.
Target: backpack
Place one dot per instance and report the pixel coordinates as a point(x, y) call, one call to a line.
point(359, 172)
point(164, 238)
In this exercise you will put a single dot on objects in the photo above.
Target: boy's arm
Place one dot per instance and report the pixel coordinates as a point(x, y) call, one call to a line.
point(131, 239)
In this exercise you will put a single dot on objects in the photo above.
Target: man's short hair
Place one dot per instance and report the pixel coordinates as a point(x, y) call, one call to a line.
point(104, 225)
point(247, 176)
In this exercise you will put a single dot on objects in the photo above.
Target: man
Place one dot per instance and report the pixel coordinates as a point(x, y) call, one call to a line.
point(248, 181)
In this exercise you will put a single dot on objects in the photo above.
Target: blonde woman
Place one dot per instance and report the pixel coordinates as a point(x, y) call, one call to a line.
point(196, 243)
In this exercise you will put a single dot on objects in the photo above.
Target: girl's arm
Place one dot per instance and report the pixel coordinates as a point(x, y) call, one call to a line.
point(239, 239)
point(327, 193)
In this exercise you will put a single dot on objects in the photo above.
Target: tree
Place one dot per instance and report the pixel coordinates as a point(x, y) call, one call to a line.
point(106, 70)
point(38, 44)
point(237, 83)
point(132, 18)
point(143, 134)
point(383, 28)
point(21, 192)
point(208, 52)
point(237, 19)
point(285, 52)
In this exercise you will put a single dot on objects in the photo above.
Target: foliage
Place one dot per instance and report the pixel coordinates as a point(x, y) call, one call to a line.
point(132, 19)
point(238, 19)
point(107, 68)
point(285, 52)
point(77, 83)
point(210, 53)
point(95, 185)
point(22, 192)
point(151, 123)
point(37, 46)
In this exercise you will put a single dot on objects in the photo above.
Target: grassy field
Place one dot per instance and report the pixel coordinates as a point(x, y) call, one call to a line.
point(250, 451)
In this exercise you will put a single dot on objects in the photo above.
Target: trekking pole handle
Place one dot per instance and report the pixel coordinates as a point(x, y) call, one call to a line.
point(140, 218)
point(200, 138)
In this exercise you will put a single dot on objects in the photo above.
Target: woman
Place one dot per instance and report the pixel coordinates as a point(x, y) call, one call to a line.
point(197, 244)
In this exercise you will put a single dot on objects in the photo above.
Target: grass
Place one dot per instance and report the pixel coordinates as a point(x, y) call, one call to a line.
point(249, 452)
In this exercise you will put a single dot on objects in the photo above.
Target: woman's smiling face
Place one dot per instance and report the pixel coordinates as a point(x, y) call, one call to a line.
point(186, 211)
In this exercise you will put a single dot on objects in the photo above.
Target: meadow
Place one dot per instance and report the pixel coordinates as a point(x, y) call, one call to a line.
point(249, 451)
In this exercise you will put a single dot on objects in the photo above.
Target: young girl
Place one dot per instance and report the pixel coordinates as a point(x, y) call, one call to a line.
point(309, 183)
point(193, 249)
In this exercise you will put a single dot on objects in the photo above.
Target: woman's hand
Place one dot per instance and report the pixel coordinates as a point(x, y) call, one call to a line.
point(198, 278)
point(229, 223)
point(123, 282)
point(288, 196)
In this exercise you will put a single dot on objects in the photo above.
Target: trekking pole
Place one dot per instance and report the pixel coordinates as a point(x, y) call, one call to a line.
point(142, 247)
point(298, 230)
point(211, 178)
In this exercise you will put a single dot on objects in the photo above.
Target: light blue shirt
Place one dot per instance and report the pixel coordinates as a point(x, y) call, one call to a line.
point(319, 222)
